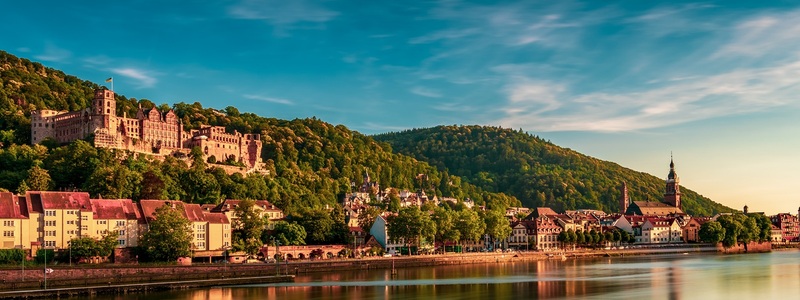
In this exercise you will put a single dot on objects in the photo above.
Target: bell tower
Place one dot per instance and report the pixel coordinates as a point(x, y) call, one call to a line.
point(672, 195)
point(104, 103)
point(624, 201)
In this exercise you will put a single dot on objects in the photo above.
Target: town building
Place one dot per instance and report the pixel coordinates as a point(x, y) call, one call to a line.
point(661, 231)
point(670, 206)
point(151, 131)
point(788, 225)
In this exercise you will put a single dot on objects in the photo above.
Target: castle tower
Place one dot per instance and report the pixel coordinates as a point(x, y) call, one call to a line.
point(104, 103)
point(624, 201)
point(672, 196)
point(745, 209)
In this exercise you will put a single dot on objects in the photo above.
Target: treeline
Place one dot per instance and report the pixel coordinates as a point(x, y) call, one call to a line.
point(311, 163)
point(735, 229)
point(535, 171)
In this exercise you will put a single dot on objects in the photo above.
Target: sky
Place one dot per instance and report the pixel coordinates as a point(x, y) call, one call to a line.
point(713, 84)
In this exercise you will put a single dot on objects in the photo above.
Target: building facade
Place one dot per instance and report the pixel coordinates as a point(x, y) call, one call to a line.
point(151, 131)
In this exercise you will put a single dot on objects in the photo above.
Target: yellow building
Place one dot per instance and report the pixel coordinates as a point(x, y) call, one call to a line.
point(15, 222)
point(61, 216)
point(210, 230)
point(116, 215)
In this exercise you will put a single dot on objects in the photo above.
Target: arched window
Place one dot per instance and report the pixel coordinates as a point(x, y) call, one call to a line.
point(206, 150)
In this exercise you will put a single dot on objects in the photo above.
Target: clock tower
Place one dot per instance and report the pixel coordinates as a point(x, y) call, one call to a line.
point(672, 195)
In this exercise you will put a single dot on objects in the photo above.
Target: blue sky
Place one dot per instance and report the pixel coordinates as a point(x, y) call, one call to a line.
point(713, 82)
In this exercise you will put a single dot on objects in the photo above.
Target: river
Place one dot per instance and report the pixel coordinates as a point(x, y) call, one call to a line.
point(762, 276)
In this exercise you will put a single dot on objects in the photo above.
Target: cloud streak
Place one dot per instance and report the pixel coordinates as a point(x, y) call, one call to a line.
point(281, 13)
point(549, 107)
point(144, 79)
point(269, 99)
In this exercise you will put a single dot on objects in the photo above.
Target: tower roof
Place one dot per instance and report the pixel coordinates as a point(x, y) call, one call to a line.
point(671, 174)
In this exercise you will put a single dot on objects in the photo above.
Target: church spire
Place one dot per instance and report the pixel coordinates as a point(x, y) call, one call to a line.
point(672, 194)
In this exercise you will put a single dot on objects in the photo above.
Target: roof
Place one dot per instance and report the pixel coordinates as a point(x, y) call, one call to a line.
point(216, 218)
point(193, 212)
point(61, 200)
point(647, 208)
point(230, 204)
point(10, 207)
point(541, 212)
point(117, 209)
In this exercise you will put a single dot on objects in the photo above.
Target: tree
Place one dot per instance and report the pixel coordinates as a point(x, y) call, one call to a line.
point(86, 247)
point(367, 218)
point(445, 224)
point(38, 179)
point(317, 224)
point(340, 233)
point(497, 226)
point(711, 232)
point(288, 233)
point(411, 225)
point(469, 225)
point(247, 226)
point(169, 236)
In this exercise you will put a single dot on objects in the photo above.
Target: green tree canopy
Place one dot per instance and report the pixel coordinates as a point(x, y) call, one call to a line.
point(169, 236)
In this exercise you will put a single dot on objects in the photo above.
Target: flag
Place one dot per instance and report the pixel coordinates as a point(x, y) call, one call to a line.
point(110, 79)
point(48, 271)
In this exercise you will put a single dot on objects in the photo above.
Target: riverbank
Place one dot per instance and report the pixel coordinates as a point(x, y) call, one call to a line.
point(138, 287)
point(88, 277)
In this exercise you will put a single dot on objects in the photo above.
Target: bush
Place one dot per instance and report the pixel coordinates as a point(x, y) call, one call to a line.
point(11, 256)
point(41, 254)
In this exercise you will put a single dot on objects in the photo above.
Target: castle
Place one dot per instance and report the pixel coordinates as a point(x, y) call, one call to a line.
point(151, 131)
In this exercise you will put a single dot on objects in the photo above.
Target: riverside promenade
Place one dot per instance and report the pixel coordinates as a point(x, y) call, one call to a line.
point(109, 279)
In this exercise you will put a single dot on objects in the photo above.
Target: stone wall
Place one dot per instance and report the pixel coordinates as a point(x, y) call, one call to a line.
point(752, 247)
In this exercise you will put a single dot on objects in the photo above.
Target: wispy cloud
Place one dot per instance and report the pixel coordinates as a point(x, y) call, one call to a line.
point(281, 13)
point(54, 54)
point(547, 107)
point(144, 79)
point(765, 34)
point(426, 92)
point(269, 99)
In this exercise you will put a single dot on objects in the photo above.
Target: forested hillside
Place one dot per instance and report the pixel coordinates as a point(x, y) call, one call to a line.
point(311, 163)
point(537, 172)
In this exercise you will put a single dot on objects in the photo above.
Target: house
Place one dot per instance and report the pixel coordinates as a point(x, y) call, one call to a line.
point(381, 234)
point(789, 226)
point(547, 231)
point(210, 230)
point(691, 229)
point(661, 231)
point(116, 215)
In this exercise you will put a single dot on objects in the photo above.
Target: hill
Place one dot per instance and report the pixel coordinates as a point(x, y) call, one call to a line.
point(312, 163)
point(537, 172)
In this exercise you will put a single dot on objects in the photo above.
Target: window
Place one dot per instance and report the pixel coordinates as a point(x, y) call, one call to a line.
point(101, 222)
point(8, 223)
point(120, 223)
point(8, 233)
point(201, 245)
point(49, 243)
point(121, 242)
point(49, 223)
point(84, 218)
point(70, 222)
point(50, 233)
point(50, 213)
point(85, 227)
point(122, 232)
point(201, 236)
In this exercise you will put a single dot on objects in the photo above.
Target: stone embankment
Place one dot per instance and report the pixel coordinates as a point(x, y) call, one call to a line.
point(124, 278)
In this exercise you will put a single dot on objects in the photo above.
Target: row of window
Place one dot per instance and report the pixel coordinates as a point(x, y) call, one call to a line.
point(8, 233)
point(8, 223)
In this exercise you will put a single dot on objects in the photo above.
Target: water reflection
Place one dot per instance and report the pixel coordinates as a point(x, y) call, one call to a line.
point(764, 276)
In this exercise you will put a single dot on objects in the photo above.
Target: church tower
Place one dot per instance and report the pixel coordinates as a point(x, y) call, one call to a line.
point(672, 196)
point(624, 201)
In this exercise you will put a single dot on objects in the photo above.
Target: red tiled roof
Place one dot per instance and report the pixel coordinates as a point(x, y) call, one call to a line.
point(118, 209)
point(61, 200)
point(215, 218)
point(11, 208)
point(193, 212)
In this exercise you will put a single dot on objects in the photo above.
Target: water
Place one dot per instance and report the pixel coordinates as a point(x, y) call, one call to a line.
point(773, 275)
